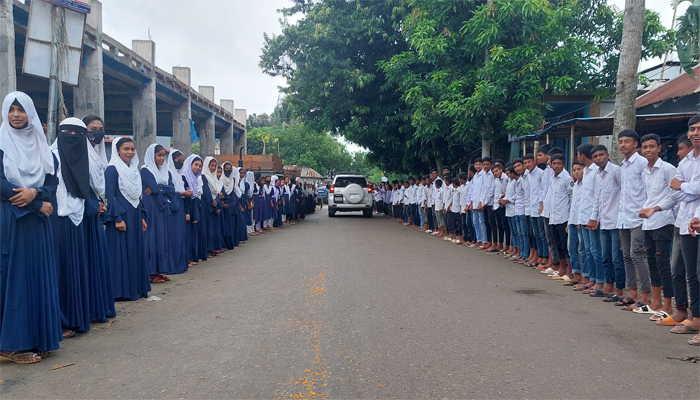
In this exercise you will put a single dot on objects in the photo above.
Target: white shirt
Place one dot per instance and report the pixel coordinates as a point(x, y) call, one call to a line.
point(475, 188)
point(486, 197)
point(439, 205)
point(535, 184)
point(456, 199)
point(520, 197)
point(510, 196)
point(607, 198)
point(688, 171)
point(589, 189)
point(632, 195)
point(430, 195)
point(525, 181)
point(659, 193)
point(547, 176)
point(561, 188)
point(465, 189)
point(447, 194)
point(499, 188)
point(575, 208)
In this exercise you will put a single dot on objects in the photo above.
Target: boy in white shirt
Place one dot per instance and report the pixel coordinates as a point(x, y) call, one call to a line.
point(455, 210)
point(657, 223)
point(561, 187)
point(447, 197)
point(439, 209)
point(500, 182)
point(576, 257)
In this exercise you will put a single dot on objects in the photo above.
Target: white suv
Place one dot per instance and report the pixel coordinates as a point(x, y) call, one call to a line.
point(350, 192)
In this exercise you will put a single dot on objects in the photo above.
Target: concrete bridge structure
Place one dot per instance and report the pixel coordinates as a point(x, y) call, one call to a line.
point(124, 86)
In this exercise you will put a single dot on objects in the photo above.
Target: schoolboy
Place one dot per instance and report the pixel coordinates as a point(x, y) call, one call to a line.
point(486, 203)
point(574, 230)
point(439, 209)
point(455, 209)
point(592, 263)
point(475, 193)
point(629, 222)
point(657, 223)
point(499, 191)
point(560, 190)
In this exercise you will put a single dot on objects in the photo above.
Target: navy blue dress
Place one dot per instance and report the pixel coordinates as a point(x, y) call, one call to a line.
point(100, 284)
point(247, 213)
point(30, 316)
point(127, 254)
point(71, 271)
point(179, 232)
point(212, 221)
point(193, 206)
point(228, 222)
point(157, 235)
point(241, 226)
point(292, 204)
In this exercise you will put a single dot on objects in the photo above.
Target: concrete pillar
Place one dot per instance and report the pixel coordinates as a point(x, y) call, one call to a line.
point(241, 115)
point(207, 138)
point(144, 101)
point(226, 146)
point(89, 95)
point(183, 74)
point(8, 69)
point(207, 92)
point(182, 115)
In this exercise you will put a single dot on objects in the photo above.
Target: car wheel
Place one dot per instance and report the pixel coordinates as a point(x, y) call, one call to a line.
point(367, 213)
point(331, 213)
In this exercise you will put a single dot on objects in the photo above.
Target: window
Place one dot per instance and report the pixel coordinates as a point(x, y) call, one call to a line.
point(343, 181)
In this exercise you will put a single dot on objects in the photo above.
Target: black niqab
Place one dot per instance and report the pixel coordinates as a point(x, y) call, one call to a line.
point(75, 167)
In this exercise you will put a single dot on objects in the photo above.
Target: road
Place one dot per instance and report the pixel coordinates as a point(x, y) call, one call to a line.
point(350, 307)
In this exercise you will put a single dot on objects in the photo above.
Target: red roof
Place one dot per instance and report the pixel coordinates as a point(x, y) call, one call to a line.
point(680, 86)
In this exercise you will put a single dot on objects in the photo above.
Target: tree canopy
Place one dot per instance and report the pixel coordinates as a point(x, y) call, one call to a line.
point(420, 82)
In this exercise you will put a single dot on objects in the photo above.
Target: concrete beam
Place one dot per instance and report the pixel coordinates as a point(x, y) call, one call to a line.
point(89, 96)
point(144, 101)
point(241, 115)
point(8, 69)
point(207, 136)
point(226, 136)
point(182, 127)
point(183, 74)
point(207, 92)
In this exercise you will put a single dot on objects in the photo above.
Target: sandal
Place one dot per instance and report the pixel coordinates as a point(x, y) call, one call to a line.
point(626, 301)
point(695, 341)
point(645, 309)
point(632, 307)
point(164, 277)
point(686, 329)
point(658, 316)
point(668, 321)
point(157, 279)
point(571, 283)
point(68, 333)
point(611, 298)
point(13, 355)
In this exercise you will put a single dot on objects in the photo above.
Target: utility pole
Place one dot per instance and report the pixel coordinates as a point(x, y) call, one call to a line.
point(627, 76)
point(57, 23)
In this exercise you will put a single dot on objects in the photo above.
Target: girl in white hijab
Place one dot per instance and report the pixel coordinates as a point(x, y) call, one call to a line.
point(250, 182)
point(125, 223)
point(96, 152)
point(29, 303)
point(211, 205)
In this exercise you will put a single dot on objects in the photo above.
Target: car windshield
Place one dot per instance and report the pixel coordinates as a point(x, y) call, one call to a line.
point(343, 181)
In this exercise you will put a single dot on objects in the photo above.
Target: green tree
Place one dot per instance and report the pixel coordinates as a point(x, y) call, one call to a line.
point(258, 121)
point(688, 36)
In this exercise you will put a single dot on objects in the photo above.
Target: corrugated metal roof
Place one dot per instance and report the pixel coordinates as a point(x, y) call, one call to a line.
point(680, 86)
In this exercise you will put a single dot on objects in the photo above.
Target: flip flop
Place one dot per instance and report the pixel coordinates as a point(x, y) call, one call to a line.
point(687, 328)
point(571, 283)
point(11, 357)
point(626, 301)
point(611, 298)
point(668, 321)
point(645, 309)
point(598, 293)
point(694, 342)
point(658, 316)
point(628, 307)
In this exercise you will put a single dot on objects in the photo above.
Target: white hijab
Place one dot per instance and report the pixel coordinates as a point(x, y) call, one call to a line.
point(98, 163)
point(129, 176)
point(250, 179)
point(228, 182)
point(27, 158)
point(215, 185)
point(149, 162)
point(237, 182)
point(177, 175)
point(68, 206)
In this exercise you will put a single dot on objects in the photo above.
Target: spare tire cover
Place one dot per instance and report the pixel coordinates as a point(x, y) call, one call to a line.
point(354, 193)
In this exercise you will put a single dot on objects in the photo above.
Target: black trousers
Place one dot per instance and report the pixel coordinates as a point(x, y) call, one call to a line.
point(561, 239)
point(658, 244)
point(502, 224)
point(457, 218)
point(431, 218)
point(491, 226)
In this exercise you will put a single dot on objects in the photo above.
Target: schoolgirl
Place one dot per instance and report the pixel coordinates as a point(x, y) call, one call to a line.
point(179, 216)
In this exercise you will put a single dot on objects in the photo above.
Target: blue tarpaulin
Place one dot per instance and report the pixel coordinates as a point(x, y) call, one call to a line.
point(193, 132)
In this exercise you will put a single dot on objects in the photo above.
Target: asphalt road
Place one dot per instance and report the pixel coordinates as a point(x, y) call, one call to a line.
point(350, 307)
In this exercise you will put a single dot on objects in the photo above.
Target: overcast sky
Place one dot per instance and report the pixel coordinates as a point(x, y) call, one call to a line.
point(221, 40)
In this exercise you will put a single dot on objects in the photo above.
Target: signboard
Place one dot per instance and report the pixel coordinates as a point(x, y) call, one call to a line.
point(82, 6)
point(37, 50)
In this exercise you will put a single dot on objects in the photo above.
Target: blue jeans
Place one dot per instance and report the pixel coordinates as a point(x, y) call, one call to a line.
point(574, 254)
point(539, 235)
point(515, 237)
point(470, 226)
point(612, 257)
point(521, 222)
point(423, 217)
point(480, 226)
point(593, 265)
